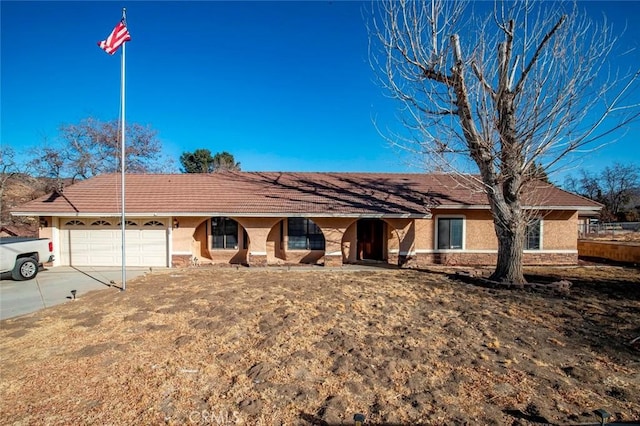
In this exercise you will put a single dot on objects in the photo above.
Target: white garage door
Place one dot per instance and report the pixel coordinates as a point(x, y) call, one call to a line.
point(98, 242)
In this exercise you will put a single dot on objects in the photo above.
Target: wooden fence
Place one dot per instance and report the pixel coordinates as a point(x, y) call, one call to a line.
point(617, 251)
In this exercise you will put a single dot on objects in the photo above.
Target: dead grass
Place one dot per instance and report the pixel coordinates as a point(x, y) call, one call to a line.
point(617, 236)
point(220, 346)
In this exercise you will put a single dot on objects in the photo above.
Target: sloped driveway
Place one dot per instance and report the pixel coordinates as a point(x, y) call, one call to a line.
point(53, 286)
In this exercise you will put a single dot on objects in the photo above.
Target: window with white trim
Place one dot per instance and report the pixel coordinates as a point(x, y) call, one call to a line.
point(533, 235)
point(304, 234)
point(224, 232)
point(450, 233)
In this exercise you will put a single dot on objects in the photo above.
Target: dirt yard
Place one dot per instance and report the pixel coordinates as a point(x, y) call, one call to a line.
point(273, 347)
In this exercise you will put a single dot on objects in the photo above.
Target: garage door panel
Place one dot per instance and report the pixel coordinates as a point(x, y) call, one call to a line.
point(91, 246)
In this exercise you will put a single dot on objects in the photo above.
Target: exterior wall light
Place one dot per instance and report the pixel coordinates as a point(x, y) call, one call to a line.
point(176, 224)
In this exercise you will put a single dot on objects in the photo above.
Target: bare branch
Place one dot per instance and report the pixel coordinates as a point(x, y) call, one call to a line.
point(535, 56)
point(485, 84)
point(525, 82)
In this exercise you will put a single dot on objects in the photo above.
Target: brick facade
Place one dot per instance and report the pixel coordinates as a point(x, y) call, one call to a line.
point(257, 259)
point(462, 259)
point(180, 260)
point(333, 260)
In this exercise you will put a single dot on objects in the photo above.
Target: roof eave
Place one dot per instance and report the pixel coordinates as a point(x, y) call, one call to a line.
point(230, 214)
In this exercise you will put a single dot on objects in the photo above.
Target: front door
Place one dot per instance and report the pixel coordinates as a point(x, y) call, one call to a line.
point(371, 239)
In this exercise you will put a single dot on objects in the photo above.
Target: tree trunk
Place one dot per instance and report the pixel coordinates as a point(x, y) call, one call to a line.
point(510, 251)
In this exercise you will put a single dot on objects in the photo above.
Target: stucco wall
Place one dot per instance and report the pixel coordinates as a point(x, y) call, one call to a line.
point(274, 245)
point(200, 245)
point(183, 237)
point(478, 228)
point(349, 240)
point(407, 240)
point(424, 234)
point(192, 239)
point(47, 231)
point(481, 234)
point(560, 231)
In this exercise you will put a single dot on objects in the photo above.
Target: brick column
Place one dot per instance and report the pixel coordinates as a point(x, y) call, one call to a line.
point(332, 261)
point(257, 258)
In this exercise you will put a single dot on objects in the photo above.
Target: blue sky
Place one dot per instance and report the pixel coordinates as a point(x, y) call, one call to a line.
point(281, 85)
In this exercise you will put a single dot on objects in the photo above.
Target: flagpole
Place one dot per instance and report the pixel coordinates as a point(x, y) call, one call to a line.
point(122, 157)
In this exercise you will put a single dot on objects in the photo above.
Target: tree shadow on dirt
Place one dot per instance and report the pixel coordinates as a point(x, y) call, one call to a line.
point(601, 313)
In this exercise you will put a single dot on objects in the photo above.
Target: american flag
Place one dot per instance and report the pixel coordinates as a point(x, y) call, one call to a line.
point(118, 36)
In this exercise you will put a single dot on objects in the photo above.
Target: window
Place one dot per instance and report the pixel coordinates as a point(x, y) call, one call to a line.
point(153, 224)
point(74, 223)
point(304, 234)
point(225, 233)
point(128, 224)
point(100, 223)
point(532, 239)
point(450, 233)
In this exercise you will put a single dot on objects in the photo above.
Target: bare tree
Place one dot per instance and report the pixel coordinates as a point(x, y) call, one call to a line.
point(92, 147)
point(16, 186)
point(618, 183)
point(586, 185)
point(508, 94)
point(614, 187)
point(49, 163)
point(9, 169)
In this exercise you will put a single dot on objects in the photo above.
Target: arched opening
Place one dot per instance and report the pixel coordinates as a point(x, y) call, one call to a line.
point(303, 240)
point(227, 240)
point(371, 240)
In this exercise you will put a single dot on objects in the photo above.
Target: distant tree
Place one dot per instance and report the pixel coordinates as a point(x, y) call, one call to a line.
point(223, 161)
point(201, 161)
point(586, 185)
point(494, 90)
point(613, 186)
point(92, 147)
point(50, 163)
point(9, 170)
point(198, 161)
point(17, 186)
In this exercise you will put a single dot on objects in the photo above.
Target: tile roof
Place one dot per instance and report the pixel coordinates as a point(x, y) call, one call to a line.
point(282, 193)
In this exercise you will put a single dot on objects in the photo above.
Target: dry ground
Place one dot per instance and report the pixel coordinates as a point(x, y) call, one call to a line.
point(615, 235)
point(225, 346)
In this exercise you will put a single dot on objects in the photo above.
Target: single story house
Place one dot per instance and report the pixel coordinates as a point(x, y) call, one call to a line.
point(270, 218)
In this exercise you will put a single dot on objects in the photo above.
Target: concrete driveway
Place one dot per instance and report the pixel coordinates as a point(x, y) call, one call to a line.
point(53, 286)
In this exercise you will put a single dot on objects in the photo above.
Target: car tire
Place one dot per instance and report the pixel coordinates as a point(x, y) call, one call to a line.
point(26, 268)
